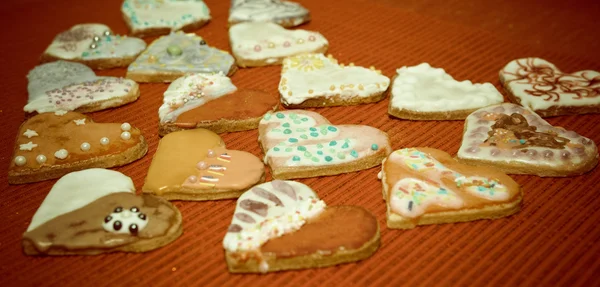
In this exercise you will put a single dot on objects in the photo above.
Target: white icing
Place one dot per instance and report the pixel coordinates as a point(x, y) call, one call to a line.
point(64, 86)
point(189, 92)
point(265, 41)
point(60, 113)
point(79, 122)
point(20, 160)
point(27, 146)
point(520, 77)
point(61, 153)
point(78, 189)
point(41, 158)
point(127, 218)
point(76, 43)
point(279, 220)
point(170, 14)
point(281, 12)
point(30, 133)
point(425, 89)
point(313, 75)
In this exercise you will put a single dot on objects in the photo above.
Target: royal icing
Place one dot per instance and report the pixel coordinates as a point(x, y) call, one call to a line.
point(125, 221)
point(539, 85)
point(310, 76)
point(180, 52)
point(422, 88)
point(285, 13)
point(169, 14)
point(269, 42)
point(65, 86)
point(93, 41)
point(511, 133)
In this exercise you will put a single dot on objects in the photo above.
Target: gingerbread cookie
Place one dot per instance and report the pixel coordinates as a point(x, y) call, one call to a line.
point(518, 141)
point(94, 45)
point(173, 56)
point(263, 43)
point(300, 144)
point(283, 225)
point(96, 211)
point(427, 186)
point(68, 86)
point(425, 93)
point(195, 165)
point(313, 80)
point(539, 85)
point(159, 17)
point(50, 145)
point(212, 102)
point(284, 13)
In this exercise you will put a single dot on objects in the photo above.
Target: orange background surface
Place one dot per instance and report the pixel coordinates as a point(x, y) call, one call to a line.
point(554, 240)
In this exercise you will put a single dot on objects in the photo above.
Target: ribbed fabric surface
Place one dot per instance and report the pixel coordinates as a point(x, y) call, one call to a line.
point(554, 240)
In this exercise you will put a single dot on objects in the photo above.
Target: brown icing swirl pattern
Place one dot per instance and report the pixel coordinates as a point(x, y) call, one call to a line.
point(513, 131)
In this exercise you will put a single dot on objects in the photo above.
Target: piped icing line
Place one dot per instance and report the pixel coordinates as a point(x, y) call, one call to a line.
point(423, 88)
point(191, 91)
point(170, 14)
point(540, 85)
point(268, 211)
point(286, 13)
point(309, 76)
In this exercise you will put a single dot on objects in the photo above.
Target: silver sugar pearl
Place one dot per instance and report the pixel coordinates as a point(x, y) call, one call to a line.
point(107, 33)
point(96, 38)
point(93, 46)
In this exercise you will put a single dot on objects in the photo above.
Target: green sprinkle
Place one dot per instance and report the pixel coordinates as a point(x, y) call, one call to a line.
point(332, 128)
point(328, 158)
point(304, 119)
point(293, 116)
point(354, 153)
point(374, 147)
point(315, 159)
point(341, 155)
point(267, 116)
point(174, 50)
point(287, 131)
point(307, 154)
point(332, 143)
point(320, 152)
point(296, 158)
point(319, 146)
point(286, 125)
point(301, 148)
point(314, 134)
point(288, 149)
point(276, 149)
point(345, 145)
point(332, 150)
point(304, 137)
point(313, 129)
point(280, 115)
point(297, 122)
point(293, 140)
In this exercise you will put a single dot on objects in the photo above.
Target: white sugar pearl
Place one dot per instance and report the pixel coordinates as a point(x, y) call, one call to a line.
point(61, 153)
point(85, 146)
point(125, 127)
point(104, 141)
point(41, 158)
point(20, 160)
point(125, 135)
point(192, 178)
point(210, 153)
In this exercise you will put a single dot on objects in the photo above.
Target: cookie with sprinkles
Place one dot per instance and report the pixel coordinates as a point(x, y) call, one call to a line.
point(177, 54)
point(516, 140)
point(68, 86)
point(283, 225)
point(94, 45)
point(300, 144)
point(96, 211)
point(284, 13)
point(314, 80)
point(159, 17)
point(427, 186)
point(50, 145)
point(196, 165)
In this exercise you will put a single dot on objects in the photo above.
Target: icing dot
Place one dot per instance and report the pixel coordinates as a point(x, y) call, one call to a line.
point(565, 154)
point(286, 125)
point(300, 41)
point(341, 155)
point(125, 136)
point(286, 44)
point(579, 150)
point(311, 38)
point(532, 153)
point(125, 127)
point(473, 149)
point(20, 160)
point(192, 178)
point(314, 134)
point(304, 119)
point(313, 129)
point(374, 147)
point(104, 141)
point(332, 143)
point(280, 115)
point(210, 153)
point(271, 45)
point(288, 149)
point(287, 131)
point(201, 165)
point(174, 50)
point(310, 91)
point(495, 152)
point(354, 153)
point(276, 149)
point(315, 159)
point(548, 154)
point(587, 141)
point(85, 146)
point(332, 128)
point(293, 140)
point(516, 153)
point(41, 158)
point(320, 152)
point(301, 148)
point(304, 137)
point(61, 154)
point(257, 48)
point(296, 158)
point(498, 109)
point(328, 158)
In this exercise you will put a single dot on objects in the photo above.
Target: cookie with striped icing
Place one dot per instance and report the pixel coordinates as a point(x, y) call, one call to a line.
point(283, 225)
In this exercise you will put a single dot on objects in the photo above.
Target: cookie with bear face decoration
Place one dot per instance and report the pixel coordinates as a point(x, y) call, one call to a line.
point(96, 211)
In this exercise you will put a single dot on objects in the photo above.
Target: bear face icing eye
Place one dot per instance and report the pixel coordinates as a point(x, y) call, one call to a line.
point(142, 216)
point(134, 209)
point(125, 221)
point(107, 219)
point(118, 209)
point(133, 229)
point(117, 225)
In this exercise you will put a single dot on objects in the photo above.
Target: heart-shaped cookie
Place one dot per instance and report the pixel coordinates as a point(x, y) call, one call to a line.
point(96, 211)
point(177, 54)
point(284, 13)
point(263, 43)
point(68, 86)
point(282, 225)
point(50, 145)
point(195, 165)
point(95, 46)
point(425, 93)
point(159, 17)
point(300, 144)
point(313, 80)
point(518, 141)
point(212, 102)
point(427, 186)
point(539, 85)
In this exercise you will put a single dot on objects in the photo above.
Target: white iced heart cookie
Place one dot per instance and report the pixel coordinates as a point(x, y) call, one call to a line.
point(539, 85)
point(314, 80)
point(284, 13)
point(265, 43)
point(177, 54)
point(518, 141)
point(69, 86)
point(425, 93)
point(94, 45)
point(156, 17)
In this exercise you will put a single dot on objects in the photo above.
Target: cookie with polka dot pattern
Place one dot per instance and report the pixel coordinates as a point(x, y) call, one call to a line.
point(300, 144)
point(50, 145)
point(516, 140)
point(94, 45)
point(96, 211)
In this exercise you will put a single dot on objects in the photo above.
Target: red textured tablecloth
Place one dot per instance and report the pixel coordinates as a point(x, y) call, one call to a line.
point(554, 240)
